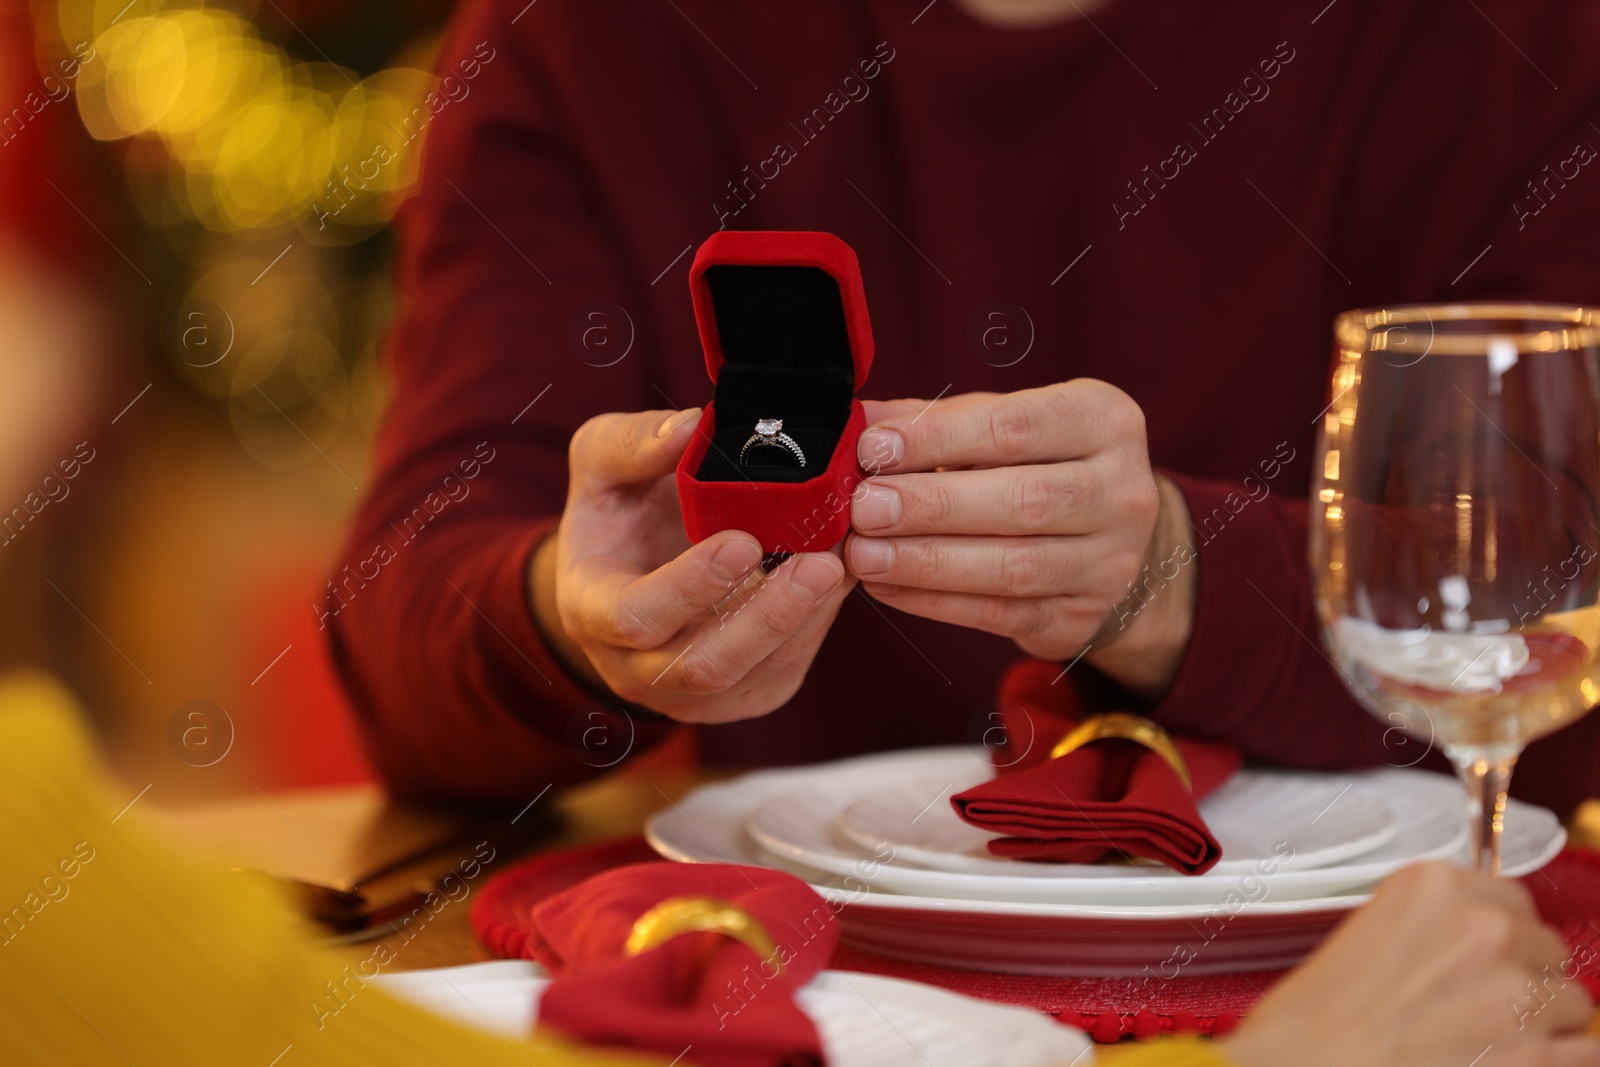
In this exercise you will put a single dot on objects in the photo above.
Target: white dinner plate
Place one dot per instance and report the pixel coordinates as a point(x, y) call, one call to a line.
point(802, 826)
point(1252, 929)
point(864, 1020)
point(1300, 820)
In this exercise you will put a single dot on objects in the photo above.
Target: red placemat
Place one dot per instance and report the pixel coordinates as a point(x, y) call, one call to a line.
point(1567, 892)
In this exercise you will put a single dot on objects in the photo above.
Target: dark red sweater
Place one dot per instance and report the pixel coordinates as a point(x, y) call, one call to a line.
point(1176, 197)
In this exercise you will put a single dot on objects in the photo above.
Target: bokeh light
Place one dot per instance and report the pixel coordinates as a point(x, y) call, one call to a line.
point(202, 265)
point(259, 166)
point(261, 140)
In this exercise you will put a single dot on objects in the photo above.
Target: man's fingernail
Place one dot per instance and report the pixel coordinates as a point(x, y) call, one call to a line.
point(815, 576)
point(876, 507)
point(881, 449)
point(870, 555)
point(735, 559)
point(676, 420)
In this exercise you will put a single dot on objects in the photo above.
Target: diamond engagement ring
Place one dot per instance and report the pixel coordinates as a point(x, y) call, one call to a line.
point(769, 433)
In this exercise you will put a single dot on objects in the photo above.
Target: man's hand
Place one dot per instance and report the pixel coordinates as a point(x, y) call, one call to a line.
point(1028, 515)
point(1444, 968)
point(696, 632)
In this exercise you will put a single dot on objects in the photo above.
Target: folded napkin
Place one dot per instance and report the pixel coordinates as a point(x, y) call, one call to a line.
point(701, 996)
point(1107, 797)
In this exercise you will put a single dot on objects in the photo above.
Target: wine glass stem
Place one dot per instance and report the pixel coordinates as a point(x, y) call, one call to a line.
point(1486, 775)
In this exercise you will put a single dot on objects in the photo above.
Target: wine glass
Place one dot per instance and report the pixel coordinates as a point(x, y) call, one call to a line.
point(1455, 538)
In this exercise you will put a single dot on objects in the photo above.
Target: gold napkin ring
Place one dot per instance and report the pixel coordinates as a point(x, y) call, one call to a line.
point(1129, 728)
point(677, 916)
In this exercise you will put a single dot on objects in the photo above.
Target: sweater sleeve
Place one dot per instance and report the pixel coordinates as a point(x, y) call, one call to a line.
point(1509, 220)
point(428, 615)
point(1256, 672)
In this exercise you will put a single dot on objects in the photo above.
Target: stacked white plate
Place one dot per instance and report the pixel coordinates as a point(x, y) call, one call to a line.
point(877, 837)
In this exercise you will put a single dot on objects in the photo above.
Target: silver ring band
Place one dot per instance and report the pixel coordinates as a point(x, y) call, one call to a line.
point(768, 433)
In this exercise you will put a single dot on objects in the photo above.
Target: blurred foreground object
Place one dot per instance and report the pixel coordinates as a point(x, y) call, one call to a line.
point(116, 951)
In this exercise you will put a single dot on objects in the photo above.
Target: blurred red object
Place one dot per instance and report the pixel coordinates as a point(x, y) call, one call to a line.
point(308, 737)
point(53, 193)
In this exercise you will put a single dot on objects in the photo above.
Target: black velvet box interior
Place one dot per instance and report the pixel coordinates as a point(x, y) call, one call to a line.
point(786, 355)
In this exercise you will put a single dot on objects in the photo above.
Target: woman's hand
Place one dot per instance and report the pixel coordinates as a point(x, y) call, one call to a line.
point(1030, 515)
point(696, 632)
point(1444, 968)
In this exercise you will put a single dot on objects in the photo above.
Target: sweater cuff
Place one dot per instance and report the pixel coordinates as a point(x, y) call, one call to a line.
point(507, 631)
point(1253, 608)
point(515, 649)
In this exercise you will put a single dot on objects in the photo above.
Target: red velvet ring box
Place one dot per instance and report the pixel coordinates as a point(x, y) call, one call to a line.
point(783, 321)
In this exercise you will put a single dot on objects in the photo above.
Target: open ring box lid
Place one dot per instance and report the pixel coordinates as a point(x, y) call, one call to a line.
point(783, 321)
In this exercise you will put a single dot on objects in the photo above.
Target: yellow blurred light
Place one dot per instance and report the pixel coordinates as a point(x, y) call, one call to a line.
point(396, 118)
point(263, 142)
point(219, 67)
point(244, 166)
point(83, 20)
point(378, 128)
point(290, 398)
point(248, 72)
point(134, 78)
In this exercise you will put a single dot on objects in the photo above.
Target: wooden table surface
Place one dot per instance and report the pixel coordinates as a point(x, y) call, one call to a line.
point(607, 809)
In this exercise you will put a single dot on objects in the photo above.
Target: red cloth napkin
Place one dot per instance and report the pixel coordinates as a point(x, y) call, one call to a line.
point(702, 996)
point(1107, 797)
